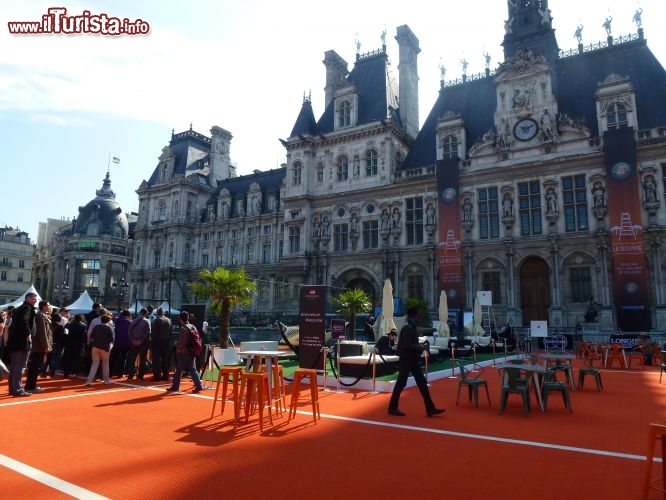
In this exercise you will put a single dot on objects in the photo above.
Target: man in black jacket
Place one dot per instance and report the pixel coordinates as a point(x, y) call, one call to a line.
point(410, 350)
point(386, 345)
point(19, 343)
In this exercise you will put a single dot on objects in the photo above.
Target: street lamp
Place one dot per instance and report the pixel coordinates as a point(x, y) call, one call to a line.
point(61, 291)
point(120, 287)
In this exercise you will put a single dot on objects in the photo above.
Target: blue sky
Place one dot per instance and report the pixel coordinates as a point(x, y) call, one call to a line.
point(67, 102)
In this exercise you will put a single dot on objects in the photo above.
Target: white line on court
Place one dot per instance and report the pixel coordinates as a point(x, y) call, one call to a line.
point(467, 435)
point(48, 479)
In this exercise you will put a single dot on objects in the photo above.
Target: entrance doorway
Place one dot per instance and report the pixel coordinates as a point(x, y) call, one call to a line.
point(363, 284)
point(534, 290)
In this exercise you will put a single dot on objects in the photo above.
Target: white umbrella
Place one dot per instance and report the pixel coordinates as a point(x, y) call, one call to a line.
point(387, 308)
point(443, 327)
point(478, 328)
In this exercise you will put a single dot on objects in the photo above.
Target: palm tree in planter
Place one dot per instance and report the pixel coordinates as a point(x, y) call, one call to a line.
point(422, 306)
point(225, 289)
point(350, 303)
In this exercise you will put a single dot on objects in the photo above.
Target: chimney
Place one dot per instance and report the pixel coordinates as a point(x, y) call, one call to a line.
point(220, 168)
point(408, 79)
point(336, 72)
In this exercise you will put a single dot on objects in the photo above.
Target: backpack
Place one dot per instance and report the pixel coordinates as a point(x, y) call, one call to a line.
point(194, 343)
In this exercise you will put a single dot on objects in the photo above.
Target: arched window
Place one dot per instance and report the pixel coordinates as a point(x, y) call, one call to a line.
point(371, 162)
point(344, 114)
point(343, 168)
point(450, 147)
point(616, 116)
point(296, 173)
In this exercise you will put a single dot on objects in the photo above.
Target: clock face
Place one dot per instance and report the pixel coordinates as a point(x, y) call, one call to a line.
point(525, 130)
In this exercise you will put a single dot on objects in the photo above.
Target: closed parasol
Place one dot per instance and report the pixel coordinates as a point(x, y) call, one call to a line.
point(443, 328)
point(478, 328)
point(387, 308)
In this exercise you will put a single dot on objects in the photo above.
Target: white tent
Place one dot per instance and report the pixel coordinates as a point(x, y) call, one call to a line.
point(81, 305)
point(171, 311)
point(135, 307)
point(21, 299)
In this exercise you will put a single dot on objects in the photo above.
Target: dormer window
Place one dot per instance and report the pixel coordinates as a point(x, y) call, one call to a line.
point(296, 173)
point(164, 171)
point(616, 116)
point(343, 168)
point(450, 147)
point(344, 114)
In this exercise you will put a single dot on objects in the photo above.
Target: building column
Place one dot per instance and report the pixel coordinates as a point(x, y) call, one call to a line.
point(469, 285)
point(432, 282)
point(271, 296)
point(606, 320)
point(512, 313)
point(658, 280)
point(556, 309)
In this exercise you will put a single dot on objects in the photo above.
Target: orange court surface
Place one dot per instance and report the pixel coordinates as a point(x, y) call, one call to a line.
point(133, 440)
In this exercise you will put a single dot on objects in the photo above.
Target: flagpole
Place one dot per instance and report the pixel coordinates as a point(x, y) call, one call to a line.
point(108, 164)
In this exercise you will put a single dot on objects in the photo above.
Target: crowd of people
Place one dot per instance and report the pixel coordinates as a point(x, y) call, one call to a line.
point(40, 341)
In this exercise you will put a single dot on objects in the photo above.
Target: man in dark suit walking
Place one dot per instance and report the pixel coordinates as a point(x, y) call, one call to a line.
point(410, 350)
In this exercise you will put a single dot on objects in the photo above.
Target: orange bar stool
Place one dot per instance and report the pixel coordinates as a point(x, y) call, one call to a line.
point(233, 373)
point(615, 354)
point(250, 380)
point(656, 430)
point(279, 391)
point(299, 375)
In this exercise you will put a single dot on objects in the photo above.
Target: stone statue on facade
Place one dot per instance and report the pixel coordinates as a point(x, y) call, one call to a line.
point(507, 206)
point(396, 218)
point(607, 25)
point(551, 201)
point(430, 215)
point(650, 189)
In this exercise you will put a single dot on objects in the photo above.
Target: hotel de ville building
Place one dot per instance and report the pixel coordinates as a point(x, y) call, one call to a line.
point(540, 180)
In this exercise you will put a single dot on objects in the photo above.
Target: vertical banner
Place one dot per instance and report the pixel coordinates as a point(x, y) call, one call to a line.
point(312, 326)
point(630, 282)
point(450, 247)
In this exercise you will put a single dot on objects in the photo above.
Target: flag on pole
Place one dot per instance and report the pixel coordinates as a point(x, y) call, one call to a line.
point(116, 159)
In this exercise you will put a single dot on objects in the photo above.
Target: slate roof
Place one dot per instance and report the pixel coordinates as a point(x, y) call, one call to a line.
point(575, 84)
point(180, 145)
point(369, 77)
point(305, 123)
point(268, 181)
point(103, 208)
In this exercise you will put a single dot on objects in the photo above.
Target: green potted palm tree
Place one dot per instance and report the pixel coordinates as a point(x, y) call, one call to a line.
point(350, 303)
point(225, 289)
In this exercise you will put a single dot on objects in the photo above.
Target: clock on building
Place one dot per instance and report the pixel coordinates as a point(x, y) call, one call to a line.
point(526, 129)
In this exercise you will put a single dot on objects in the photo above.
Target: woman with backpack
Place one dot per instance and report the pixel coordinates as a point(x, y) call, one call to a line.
point(189, 341)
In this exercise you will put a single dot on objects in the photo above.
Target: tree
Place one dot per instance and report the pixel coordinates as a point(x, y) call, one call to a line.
point(422, 306)
point(350, 303)
point(225, 289)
